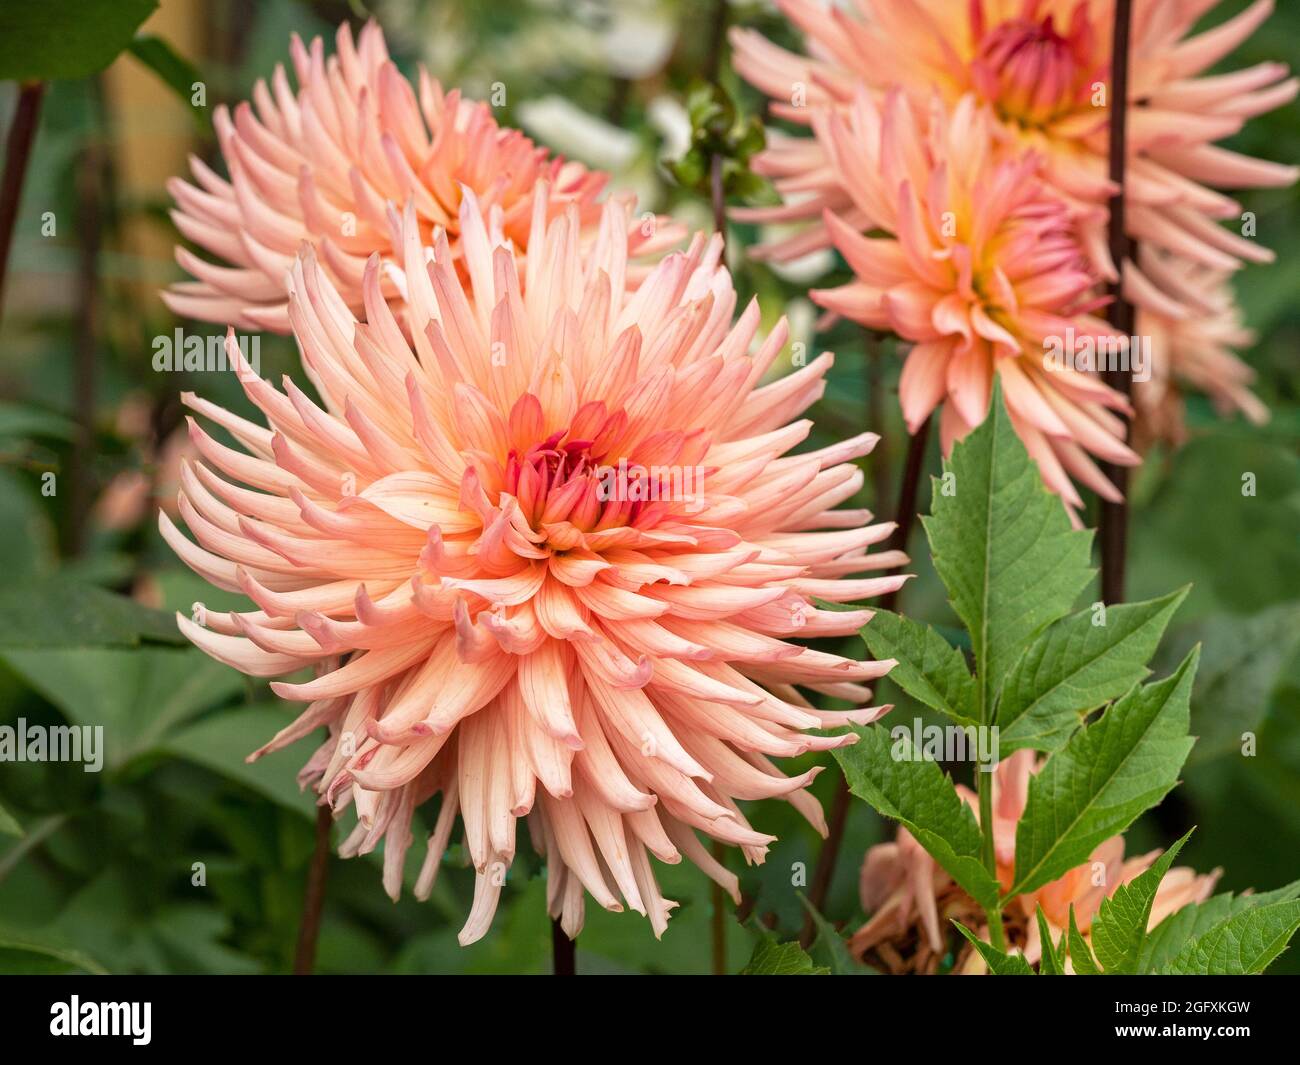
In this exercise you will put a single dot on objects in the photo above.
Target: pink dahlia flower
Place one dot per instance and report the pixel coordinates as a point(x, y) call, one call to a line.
point(979, 265)
point(545, 560)
point(324, 164)
point(912, 900)
point(1193, 341)
point(1042, 67)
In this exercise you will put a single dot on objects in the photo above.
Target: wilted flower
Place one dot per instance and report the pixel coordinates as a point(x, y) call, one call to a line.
point(980, 266)
point(1193, 340)
point(325, 163)
point(1042, 66)
point(912, 899)
point(544, 559)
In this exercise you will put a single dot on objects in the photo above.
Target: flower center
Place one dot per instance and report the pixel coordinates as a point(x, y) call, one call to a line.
point(1029, 72)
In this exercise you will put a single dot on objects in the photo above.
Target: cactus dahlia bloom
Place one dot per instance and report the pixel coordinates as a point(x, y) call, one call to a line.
point(544, 561)
point(912, 899)
point(1039, 65)
point(979, 265)
point(322, 164)
point(1192, 343)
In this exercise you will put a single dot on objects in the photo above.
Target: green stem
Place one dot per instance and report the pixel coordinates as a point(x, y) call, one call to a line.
point(984, 785)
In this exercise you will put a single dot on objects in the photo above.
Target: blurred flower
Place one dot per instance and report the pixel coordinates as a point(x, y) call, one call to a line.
point(134, 494)
point(489, 613)
point(325, 165)
point(979, 265)
point(1042, 66)
point(912, 899)
point(1193, 338)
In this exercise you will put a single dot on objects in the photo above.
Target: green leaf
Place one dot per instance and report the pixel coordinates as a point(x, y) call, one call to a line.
point(1053, 961)
point(138, 696)
point(1076, 666)
point(66, 38)
point(58, 612)
point(1107, 774)
point(999, 964)
point(1080, 956)
point(929, 669)
point(222, 742)
point(9, 824)
point(830, 945)
point(177, 72)
point(781, 959)
point(37, 951)
point(1168, 937)
point(907, 787)
point(1120, 926)
point(1003, 545)
point(1245, 943)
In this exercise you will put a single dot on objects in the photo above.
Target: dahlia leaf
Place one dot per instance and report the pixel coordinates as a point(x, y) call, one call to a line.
point(771, 958)
point(76, 615)
point(1163, 942)
point(1080, 954)
point(1108, 773)
point(903, 785)
point(1244, 944)
point(1053, 961)
point(39, 951)
point(1076, 665)
point(1003, 545)
point(1120, 926)
point(66, 38)
point(999, 964)
point(929, 669)
point(830, 946)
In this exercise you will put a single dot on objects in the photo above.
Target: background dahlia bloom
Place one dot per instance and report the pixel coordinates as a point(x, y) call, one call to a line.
point(1038, 65)
point(912, 899)
point(488, 614)
point(1193, 341)
point(324, 163)
point(981, 268)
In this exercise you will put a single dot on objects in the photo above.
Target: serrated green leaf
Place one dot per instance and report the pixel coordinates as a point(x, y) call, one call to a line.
point(1053, 960)
point(66, 38)
point(903, 785)
point(999, 964)
point(1107, 775)
point(929, 669)
point(1120, 926)
point(830, 946)
point(1243, 944)
point(1163, 942)
point(1003, 546)
point(1080, 956)
point(1076, 666)
point(781, 959)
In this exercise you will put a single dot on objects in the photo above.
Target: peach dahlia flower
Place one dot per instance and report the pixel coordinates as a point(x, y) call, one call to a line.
point(979, 265)
point(1193, 341)
point(1038, 64)
point(489, 614)
point(322, 165)
point(912, 900)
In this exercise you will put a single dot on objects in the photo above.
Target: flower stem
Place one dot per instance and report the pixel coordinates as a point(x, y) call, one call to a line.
point(18, 150)
point(1113, 523)
point(984, 788)
point(563, 951)
point(304, 959)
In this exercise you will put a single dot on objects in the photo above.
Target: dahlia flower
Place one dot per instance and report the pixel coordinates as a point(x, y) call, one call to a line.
point(324, 163)
point(1040, 65)
point(544, 560)
point(912, 899)
point(979, 265)
point(1193, 339)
